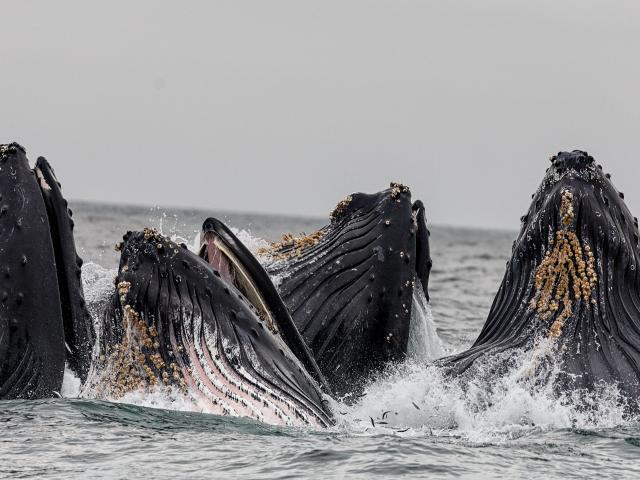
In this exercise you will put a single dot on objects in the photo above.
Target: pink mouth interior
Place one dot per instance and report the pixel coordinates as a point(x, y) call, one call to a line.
point(216, 258)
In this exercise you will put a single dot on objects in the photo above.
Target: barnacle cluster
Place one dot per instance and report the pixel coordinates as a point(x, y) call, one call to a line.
point(7, 148)
point(566, 275)
point(123, 289)
point(397, 189)
point(290, 246)
point(152, 234)
point(135, 362)
point(340, 207)
point(566, 208)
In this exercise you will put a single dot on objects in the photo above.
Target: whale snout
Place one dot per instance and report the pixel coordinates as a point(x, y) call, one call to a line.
point(575, 160)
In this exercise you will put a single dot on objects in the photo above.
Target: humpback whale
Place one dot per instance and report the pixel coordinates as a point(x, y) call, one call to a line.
point(212, 326)
point(44, 322)
point(175, 322)
point(349, 286)
point(571, 291)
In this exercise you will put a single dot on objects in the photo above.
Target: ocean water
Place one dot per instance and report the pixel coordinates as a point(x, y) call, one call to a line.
point(411, 423)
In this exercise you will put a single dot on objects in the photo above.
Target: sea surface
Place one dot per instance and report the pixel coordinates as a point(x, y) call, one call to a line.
point(412, 423)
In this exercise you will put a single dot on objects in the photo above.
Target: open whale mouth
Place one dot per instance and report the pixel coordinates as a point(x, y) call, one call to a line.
point(175, 323)
point(571, 290)
point(221, 256)
point(235, 263)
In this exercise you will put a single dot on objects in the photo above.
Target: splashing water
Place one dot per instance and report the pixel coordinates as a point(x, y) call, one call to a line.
point(249, 241)
point(420, 398)
point(97, 283)
point(424, 342)
point(252, 243)
point(71, 384)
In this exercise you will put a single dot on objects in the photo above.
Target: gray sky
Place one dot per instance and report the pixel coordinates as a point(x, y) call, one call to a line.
point(287, 106)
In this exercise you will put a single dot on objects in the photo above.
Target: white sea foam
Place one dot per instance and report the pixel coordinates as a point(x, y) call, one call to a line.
point(165, 398)
point(254, 244)
point(97, 282)
point(421, 399)
point(250, 241)
point(70, 384)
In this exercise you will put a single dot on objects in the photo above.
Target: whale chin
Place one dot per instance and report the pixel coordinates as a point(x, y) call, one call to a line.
point(571, 292)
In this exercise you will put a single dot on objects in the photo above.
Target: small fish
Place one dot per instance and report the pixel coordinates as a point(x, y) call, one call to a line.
point(417, 407)
point(342, 413)
point(384, 414)
point(373, 424)
point(402, 431)
point(383, 423)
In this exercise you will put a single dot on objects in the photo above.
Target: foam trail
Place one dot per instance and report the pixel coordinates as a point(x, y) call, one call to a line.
point(424, 342)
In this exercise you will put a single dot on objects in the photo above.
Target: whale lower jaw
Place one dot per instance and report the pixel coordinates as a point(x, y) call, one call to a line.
point(235, 392)
point(196, 366)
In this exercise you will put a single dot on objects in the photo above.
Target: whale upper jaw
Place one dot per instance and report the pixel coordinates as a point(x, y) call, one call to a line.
point(237, 265)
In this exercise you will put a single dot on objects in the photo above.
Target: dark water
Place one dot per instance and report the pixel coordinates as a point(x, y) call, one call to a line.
point(434, 428)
